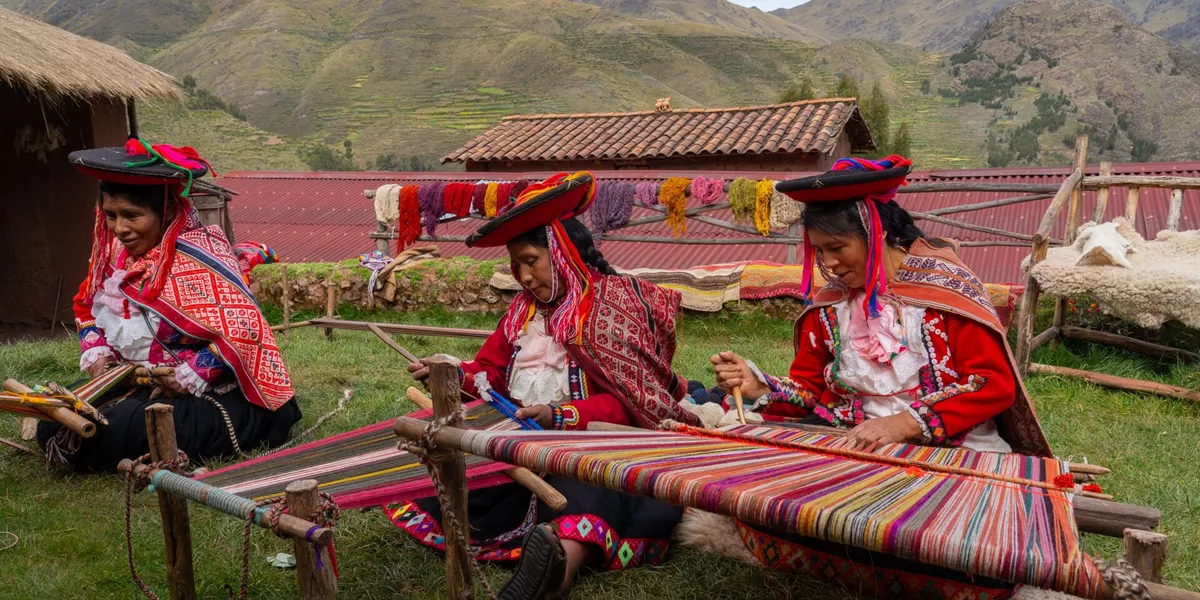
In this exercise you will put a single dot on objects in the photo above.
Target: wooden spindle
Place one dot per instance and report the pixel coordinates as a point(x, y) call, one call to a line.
point(177, 532)
point(452, 470)
point(314, 566)
point(1175, 212)
point(287, 301)
point(1146, 552)
point(1102, 195)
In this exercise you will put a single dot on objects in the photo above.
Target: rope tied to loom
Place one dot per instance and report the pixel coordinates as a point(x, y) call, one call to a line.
point(325, 514)
point(1125, 581)
point(135, 484)
point(423, 449)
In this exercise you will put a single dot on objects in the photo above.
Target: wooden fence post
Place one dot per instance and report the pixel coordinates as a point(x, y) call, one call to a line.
point(329, 305)
point(177, 532)
point(1102, 195)
point(314, 566)
point(287, 301)
point(1146, 552)
point(793, 229)
point(1074, 214)
point(1175, 212)
point(1131, 204)
point(452, 469)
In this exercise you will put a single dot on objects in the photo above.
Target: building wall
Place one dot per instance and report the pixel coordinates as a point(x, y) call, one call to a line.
point(806, 162)
point(47, 207)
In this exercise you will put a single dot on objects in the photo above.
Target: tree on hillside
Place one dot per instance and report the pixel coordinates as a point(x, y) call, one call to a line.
point(319, 157)
point(902, 143)
point(846, 87)
point(876, 112)
point(795, 93)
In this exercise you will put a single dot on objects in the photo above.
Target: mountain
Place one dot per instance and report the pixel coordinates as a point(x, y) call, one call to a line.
point(941, 25)
point(144, 23)
point(718, 13)
point(1053, 68)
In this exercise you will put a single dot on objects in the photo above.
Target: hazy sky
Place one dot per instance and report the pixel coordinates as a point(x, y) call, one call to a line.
point(769, 4)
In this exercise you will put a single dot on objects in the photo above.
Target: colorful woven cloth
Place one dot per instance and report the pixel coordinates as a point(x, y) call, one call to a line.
point(358, 468)
point(990, 514)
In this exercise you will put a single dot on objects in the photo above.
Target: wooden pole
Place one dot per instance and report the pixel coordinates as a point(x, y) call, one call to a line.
point(1131, 203)
point(1185, 183)
point(177, 532)
point(393, 344)
point(1128, 343)
point(1026, 321)
point(793, 249)
point(329, 300)
point(949, 210)
point(545, 492)
point(1146, 552)
point(59, 414)
point(400, 328)
point(1120, 383)
point(959, 186)
point(296, 325)
point(287, 301)
point(1175, 212)
point(452, 470)
point(1075, 206)
point(1102, 195)
point(314, 566)
point(1043, 337)
point(968, 226)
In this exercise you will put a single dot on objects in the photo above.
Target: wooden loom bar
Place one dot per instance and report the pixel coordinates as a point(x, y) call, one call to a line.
point(1045, 336)
point(316, 582)
point(393, 344)
point(949, 210)
point(296, 325)
point(699, 241)
point(451, 466)
point(1146, 552)
point(1102, 195)
point(545, 492)
point(59, 414)
point(1175, 212)
point(402, 329)
point(177, 531)
point(225, 502)
point(1120, 383)
point(1137, 181)
point(1128, 343)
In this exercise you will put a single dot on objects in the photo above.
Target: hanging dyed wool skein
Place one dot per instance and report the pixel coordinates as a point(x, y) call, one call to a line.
point(707, 191)
point(430, 199)
point(490, 204)
point(647, 193)
point(477, 197)
point(762, 206)
point(504, 197)
point(673, 196)
point(613, 206)
point(784, 210)
point(742, 197)
point(408, 225)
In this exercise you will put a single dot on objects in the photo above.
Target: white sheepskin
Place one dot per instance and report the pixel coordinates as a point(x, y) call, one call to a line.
point(713, 533)
point(1162, 282)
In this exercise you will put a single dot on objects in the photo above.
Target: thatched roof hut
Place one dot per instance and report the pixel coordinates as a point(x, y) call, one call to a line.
point(59, 93)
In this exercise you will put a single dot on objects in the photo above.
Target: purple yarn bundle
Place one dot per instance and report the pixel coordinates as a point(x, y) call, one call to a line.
point(613, 206)
point(708, 191)
point(477, 197)
point(429, 198)
point(647, 193)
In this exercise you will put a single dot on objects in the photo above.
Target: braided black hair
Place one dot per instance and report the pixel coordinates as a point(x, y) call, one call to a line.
point(580, 236)
point(841, 218)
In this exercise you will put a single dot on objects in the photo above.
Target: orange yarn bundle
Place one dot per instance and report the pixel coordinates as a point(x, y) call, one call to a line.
point(673, 195)
point(762, 206)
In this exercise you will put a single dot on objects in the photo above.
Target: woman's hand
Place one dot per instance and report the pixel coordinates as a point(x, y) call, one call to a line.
point(97, 367)
point(872, 433)
point(162, 379)
point(541, 414)
point(419, 370)
point(732, 371)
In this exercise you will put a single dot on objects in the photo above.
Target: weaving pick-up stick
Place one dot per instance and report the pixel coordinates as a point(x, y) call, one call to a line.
point(63, 416)
point(530, 481)
point(739, 405)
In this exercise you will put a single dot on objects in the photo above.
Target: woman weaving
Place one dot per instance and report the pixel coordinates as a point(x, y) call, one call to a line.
point(901, 346)
point(165, 293)
point(578, 344)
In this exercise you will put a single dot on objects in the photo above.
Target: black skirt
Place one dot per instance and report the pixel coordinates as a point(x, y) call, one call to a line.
point(623, 530)
point(200, 429)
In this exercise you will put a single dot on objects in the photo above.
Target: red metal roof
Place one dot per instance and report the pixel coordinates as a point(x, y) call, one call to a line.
point(324, 217)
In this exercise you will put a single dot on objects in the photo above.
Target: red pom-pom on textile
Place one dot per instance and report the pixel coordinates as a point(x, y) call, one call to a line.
point(1066, 480)
point(1093, 487)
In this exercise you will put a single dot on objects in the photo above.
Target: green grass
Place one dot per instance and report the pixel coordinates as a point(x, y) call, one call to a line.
point(70, 526)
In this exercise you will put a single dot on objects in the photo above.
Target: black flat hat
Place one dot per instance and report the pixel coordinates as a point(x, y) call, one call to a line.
point(557, 198)
point(118, 166)
point(839, 185)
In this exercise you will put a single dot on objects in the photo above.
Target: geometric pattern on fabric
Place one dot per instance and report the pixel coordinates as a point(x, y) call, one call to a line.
point(868, 580)
point(206, 298)
point(1004, 519)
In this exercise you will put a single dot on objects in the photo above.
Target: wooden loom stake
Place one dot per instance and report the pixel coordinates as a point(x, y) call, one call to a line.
point(329, 300)
point(287, 308)
point(452, 470)
point(1146, 552)
point(177, 532)
point(316, 583)
point(530, 481)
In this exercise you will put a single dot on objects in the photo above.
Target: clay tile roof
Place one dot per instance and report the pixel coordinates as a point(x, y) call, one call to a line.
point(794, 127)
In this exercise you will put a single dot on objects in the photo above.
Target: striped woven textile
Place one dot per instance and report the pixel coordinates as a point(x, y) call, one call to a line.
point(358, 468)
point(1006, 519)
point(89, 391)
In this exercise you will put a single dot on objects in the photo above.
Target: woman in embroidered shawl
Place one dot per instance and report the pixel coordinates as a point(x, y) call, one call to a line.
point(902, 345)
point(578, 344)
point(167, 294)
